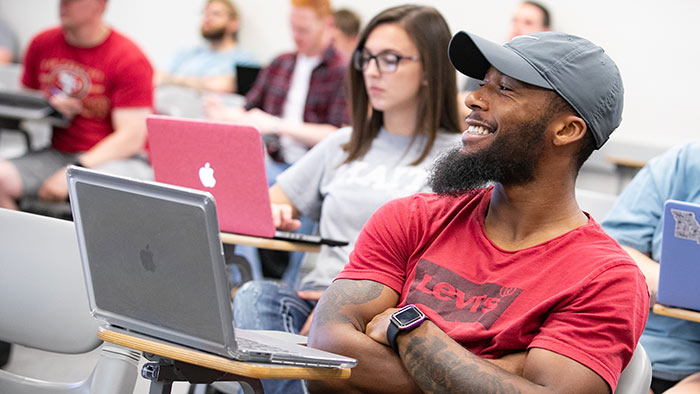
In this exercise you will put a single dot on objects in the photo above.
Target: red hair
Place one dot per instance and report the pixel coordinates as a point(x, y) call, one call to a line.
point(322, 8)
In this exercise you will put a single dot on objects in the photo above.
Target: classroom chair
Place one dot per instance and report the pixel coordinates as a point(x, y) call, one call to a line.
point(636, 377)
point(43, 304)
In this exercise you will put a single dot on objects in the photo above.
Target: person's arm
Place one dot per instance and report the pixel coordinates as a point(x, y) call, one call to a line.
point(217, 83)
point(338, 326)
point(128, 138)
point(439, 364)
point(308, 134)
point(344, 312)
point(649, 268)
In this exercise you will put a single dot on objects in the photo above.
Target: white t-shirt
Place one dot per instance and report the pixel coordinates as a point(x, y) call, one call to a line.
point(293, 110)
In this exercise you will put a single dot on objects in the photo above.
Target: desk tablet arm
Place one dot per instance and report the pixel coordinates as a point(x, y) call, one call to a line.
point(162, 372)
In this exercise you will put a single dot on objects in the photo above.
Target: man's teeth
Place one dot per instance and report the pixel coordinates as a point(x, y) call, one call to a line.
point(477, 130)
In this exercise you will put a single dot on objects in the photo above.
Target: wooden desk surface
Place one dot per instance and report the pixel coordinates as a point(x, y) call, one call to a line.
point(253, 370)
point(266, 243)
point(625, 161)
point(678, 313)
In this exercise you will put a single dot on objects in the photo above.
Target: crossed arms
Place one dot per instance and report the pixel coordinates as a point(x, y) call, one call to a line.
point(352, 317)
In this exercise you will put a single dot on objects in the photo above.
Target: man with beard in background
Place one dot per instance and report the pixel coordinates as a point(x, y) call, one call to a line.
point(501, 288)
point(211, 66)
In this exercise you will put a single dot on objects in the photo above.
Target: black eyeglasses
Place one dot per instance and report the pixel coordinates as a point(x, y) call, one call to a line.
point(387, 62)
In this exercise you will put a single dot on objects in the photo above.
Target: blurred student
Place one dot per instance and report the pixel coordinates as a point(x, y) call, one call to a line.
point(402, 75)
point(103, 83)
point(635, 221)
point(211, 66)
point(530, 17)
point(300, 96)
point(345, 32)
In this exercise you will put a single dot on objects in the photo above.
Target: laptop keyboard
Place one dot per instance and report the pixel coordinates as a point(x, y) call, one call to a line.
point(254, 346)
point(313, 239)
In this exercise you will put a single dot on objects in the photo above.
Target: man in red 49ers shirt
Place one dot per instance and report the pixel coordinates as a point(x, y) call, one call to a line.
point(503, 283)
point(103, 83)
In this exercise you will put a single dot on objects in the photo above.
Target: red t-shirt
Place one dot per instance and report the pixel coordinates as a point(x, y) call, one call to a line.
point(113, 74)
point(579, 295)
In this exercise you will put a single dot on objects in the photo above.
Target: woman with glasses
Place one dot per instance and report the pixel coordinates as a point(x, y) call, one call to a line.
point(404, 113)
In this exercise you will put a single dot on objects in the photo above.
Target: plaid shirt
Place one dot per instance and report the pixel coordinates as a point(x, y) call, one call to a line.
point(325, 102)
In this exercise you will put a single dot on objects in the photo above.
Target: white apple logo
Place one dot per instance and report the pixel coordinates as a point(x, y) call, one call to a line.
point(206, 176)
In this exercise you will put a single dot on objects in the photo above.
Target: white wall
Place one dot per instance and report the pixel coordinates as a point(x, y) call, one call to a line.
point(652, 42)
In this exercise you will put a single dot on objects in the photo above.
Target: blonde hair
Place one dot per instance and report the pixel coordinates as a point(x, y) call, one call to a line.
point(232, 13)
point(322, 8)
point(232, 10)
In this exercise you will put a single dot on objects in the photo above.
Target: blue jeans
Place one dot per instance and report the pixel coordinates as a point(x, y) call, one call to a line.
point(268, 305)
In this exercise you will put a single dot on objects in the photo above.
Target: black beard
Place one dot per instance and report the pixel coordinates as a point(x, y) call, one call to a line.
point(214, 34)
point(510, 160)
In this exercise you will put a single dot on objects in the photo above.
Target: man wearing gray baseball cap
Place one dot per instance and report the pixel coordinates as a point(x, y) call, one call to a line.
point(500, 268)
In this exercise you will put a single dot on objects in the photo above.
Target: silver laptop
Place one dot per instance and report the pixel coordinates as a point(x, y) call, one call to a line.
point(154, 266)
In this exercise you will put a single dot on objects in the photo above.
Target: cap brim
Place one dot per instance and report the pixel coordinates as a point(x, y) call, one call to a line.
point(472, 56)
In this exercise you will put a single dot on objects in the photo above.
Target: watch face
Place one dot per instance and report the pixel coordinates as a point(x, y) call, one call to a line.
point(407, 317)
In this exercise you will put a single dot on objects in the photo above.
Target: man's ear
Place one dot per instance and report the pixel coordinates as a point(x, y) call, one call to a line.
point(569, 128)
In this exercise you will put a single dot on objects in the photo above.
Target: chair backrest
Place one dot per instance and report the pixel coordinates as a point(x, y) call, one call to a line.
point(10, 75)
point(43, 302)
point(595, 203)
point(636, 377)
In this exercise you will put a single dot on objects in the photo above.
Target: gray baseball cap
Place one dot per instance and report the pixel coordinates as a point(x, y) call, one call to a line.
point(578, 70)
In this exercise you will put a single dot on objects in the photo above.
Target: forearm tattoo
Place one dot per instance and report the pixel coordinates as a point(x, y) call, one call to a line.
point(439, 370)
point(345, 292)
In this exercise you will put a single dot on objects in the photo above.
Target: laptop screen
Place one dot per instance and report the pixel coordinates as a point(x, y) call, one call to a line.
point(680, 255)
point(245, 78)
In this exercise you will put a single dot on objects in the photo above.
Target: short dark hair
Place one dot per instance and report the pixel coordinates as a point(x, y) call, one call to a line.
point(347, 22)
point(546, 20)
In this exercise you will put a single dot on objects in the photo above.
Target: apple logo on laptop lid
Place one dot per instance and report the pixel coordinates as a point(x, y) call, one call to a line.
point(206, 176)
point(146, 256)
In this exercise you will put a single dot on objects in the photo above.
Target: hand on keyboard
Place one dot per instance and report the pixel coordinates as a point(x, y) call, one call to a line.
point(282, 217)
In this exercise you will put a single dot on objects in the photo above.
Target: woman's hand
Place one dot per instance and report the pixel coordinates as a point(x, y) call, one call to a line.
point(283, 218)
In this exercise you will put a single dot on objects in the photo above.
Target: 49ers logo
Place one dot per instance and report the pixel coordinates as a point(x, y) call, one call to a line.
point(456, 299)
point(72, 81)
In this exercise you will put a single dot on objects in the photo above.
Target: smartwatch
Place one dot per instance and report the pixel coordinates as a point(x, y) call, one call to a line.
point(405, 319)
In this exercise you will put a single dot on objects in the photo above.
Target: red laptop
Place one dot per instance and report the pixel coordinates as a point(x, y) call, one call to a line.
point(225, 160)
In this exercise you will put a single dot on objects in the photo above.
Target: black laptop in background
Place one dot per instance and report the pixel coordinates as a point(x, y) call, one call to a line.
point(28, 104)
point(245, 78)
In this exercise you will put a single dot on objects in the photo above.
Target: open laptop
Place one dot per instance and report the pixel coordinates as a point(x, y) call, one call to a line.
point(154, 267)
point(226, 160)
point(28, 105)
point(245, 78)
point(680, 255)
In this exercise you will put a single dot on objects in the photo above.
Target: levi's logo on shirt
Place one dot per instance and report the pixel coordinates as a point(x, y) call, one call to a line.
point(457, 299)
